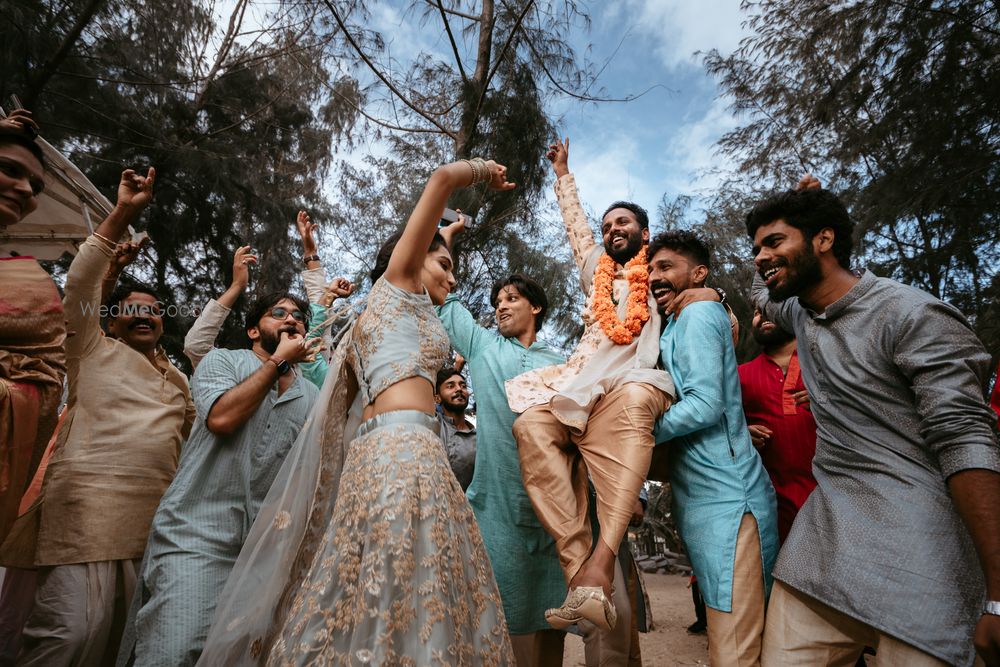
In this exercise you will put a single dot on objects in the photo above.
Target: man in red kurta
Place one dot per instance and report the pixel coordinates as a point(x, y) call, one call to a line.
point(782, 427)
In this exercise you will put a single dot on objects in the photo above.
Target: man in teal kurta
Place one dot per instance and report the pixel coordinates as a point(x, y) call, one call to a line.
point(724, 503)
point(523, 555)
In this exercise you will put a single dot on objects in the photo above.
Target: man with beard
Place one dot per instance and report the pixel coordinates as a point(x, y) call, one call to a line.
point(595, 413)
point(782, 428)
point(723, 502)
point(251, 405)
point(458, 434)
point(129, 409)
point(522, 554)
point(907, 467)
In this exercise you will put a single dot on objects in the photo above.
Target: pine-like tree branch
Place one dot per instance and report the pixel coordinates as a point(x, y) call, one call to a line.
point(503, 50)
point(49, 67)
point(382, 77)
point(580, 96)
point(945, 12)
point(455, 12)
point(235, 22)
point(451, 38)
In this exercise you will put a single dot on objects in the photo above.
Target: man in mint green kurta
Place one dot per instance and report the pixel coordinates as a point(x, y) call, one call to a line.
point(523, 555)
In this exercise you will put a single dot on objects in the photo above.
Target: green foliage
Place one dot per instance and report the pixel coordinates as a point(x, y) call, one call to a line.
point(484, 97)
point(238, 130)
point(894, 105)
point(241, 114)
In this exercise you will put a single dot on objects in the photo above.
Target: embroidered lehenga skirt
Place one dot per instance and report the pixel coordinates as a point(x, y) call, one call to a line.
point(400, 576)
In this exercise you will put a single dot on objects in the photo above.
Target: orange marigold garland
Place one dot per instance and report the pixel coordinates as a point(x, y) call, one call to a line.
point(637, 310)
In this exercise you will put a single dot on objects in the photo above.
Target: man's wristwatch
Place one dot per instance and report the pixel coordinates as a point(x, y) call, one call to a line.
point(283, 366)
point(721, 292)
point(310, 258)
point(992, 607)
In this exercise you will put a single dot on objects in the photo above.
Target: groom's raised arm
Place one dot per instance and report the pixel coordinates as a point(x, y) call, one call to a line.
point(581, 236)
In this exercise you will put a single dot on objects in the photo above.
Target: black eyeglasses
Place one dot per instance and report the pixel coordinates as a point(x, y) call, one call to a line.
point(280, 313)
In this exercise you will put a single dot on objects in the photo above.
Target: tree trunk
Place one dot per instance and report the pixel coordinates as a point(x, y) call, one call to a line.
point(475, 89)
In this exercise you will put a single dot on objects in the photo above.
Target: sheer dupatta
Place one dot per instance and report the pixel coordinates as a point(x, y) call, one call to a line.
point(291, 521)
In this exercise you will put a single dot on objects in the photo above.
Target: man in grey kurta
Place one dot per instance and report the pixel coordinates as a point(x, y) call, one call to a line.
point(458, 434)
point(251, 405)
point(884, 550)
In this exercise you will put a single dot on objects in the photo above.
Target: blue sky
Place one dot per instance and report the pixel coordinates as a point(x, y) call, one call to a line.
point(664, 142)
point(660, 143)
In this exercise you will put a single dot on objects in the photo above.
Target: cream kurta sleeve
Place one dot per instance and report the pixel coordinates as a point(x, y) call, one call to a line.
point(200, 338)
point(82, 299)
point(581, 236)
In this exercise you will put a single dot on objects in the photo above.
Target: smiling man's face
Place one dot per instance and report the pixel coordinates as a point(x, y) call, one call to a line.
point(623, 235)
point(767, 333)
point(137, 321)
point(786, 260)
point(670, 273)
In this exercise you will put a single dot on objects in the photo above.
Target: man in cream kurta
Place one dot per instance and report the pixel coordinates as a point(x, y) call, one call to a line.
point(128, 412)
point(595, 413)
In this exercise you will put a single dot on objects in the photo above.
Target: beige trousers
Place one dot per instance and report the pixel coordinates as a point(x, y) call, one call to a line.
point(615, 448)
point(539, 649)
point(734, 637)
point(78, 614)
point(801, 630)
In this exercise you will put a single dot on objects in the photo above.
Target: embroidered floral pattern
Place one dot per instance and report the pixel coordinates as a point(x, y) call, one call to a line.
point(396, 337)
point(391, 569)
point(401, 575)
point(281, 520)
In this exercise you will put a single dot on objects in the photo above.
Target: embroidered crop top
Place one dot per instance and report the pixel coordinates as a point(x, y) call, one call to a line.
point(398, 336)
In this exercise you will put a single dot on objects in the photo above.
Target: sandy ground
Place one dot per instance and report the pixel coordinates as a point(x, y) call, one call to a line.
point(669, 643)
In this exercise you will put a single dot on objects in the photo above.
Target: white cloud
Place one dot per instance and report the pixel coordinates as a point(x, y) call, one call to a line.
point(406, 34)
point(679, 28)
point(692, 151)
point(602, 170)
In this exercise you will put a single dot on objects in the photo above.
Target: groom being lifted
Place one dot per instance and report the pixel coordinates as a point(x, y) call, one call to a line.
point(594, 414)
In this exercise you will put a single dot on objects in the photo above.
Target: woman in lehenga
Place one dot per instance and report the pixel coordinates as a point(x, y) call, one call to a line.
point(366, 550)
point(32, 326)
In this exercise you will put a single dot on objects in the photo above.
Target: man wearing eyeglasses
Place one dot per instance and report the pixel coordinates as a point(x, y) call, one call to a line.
point(251, 405)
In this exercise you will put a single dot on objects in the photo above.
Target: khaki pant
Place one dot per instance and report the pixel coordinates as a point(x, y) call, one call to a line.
point(615, 449)
point(801, 630)
point(539, 649)
point(734, 637)
point(78, 614)
point(612, 648)
point(635, 593)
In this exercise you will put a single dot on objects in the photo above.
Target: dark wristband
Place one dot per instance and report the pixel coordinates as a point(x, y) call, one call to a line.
point(282, 365)
point(311, 258)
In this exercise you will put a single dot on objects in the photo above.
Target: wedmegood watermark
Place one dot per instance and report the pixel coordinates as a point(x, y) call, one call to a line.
point(158, 309)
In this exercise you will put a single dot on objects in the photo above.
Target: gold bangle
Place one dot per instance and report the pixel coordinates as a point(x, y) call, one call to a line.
point(106, 240)
point(472, 167)
point(480, 171)
point(484, 171)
